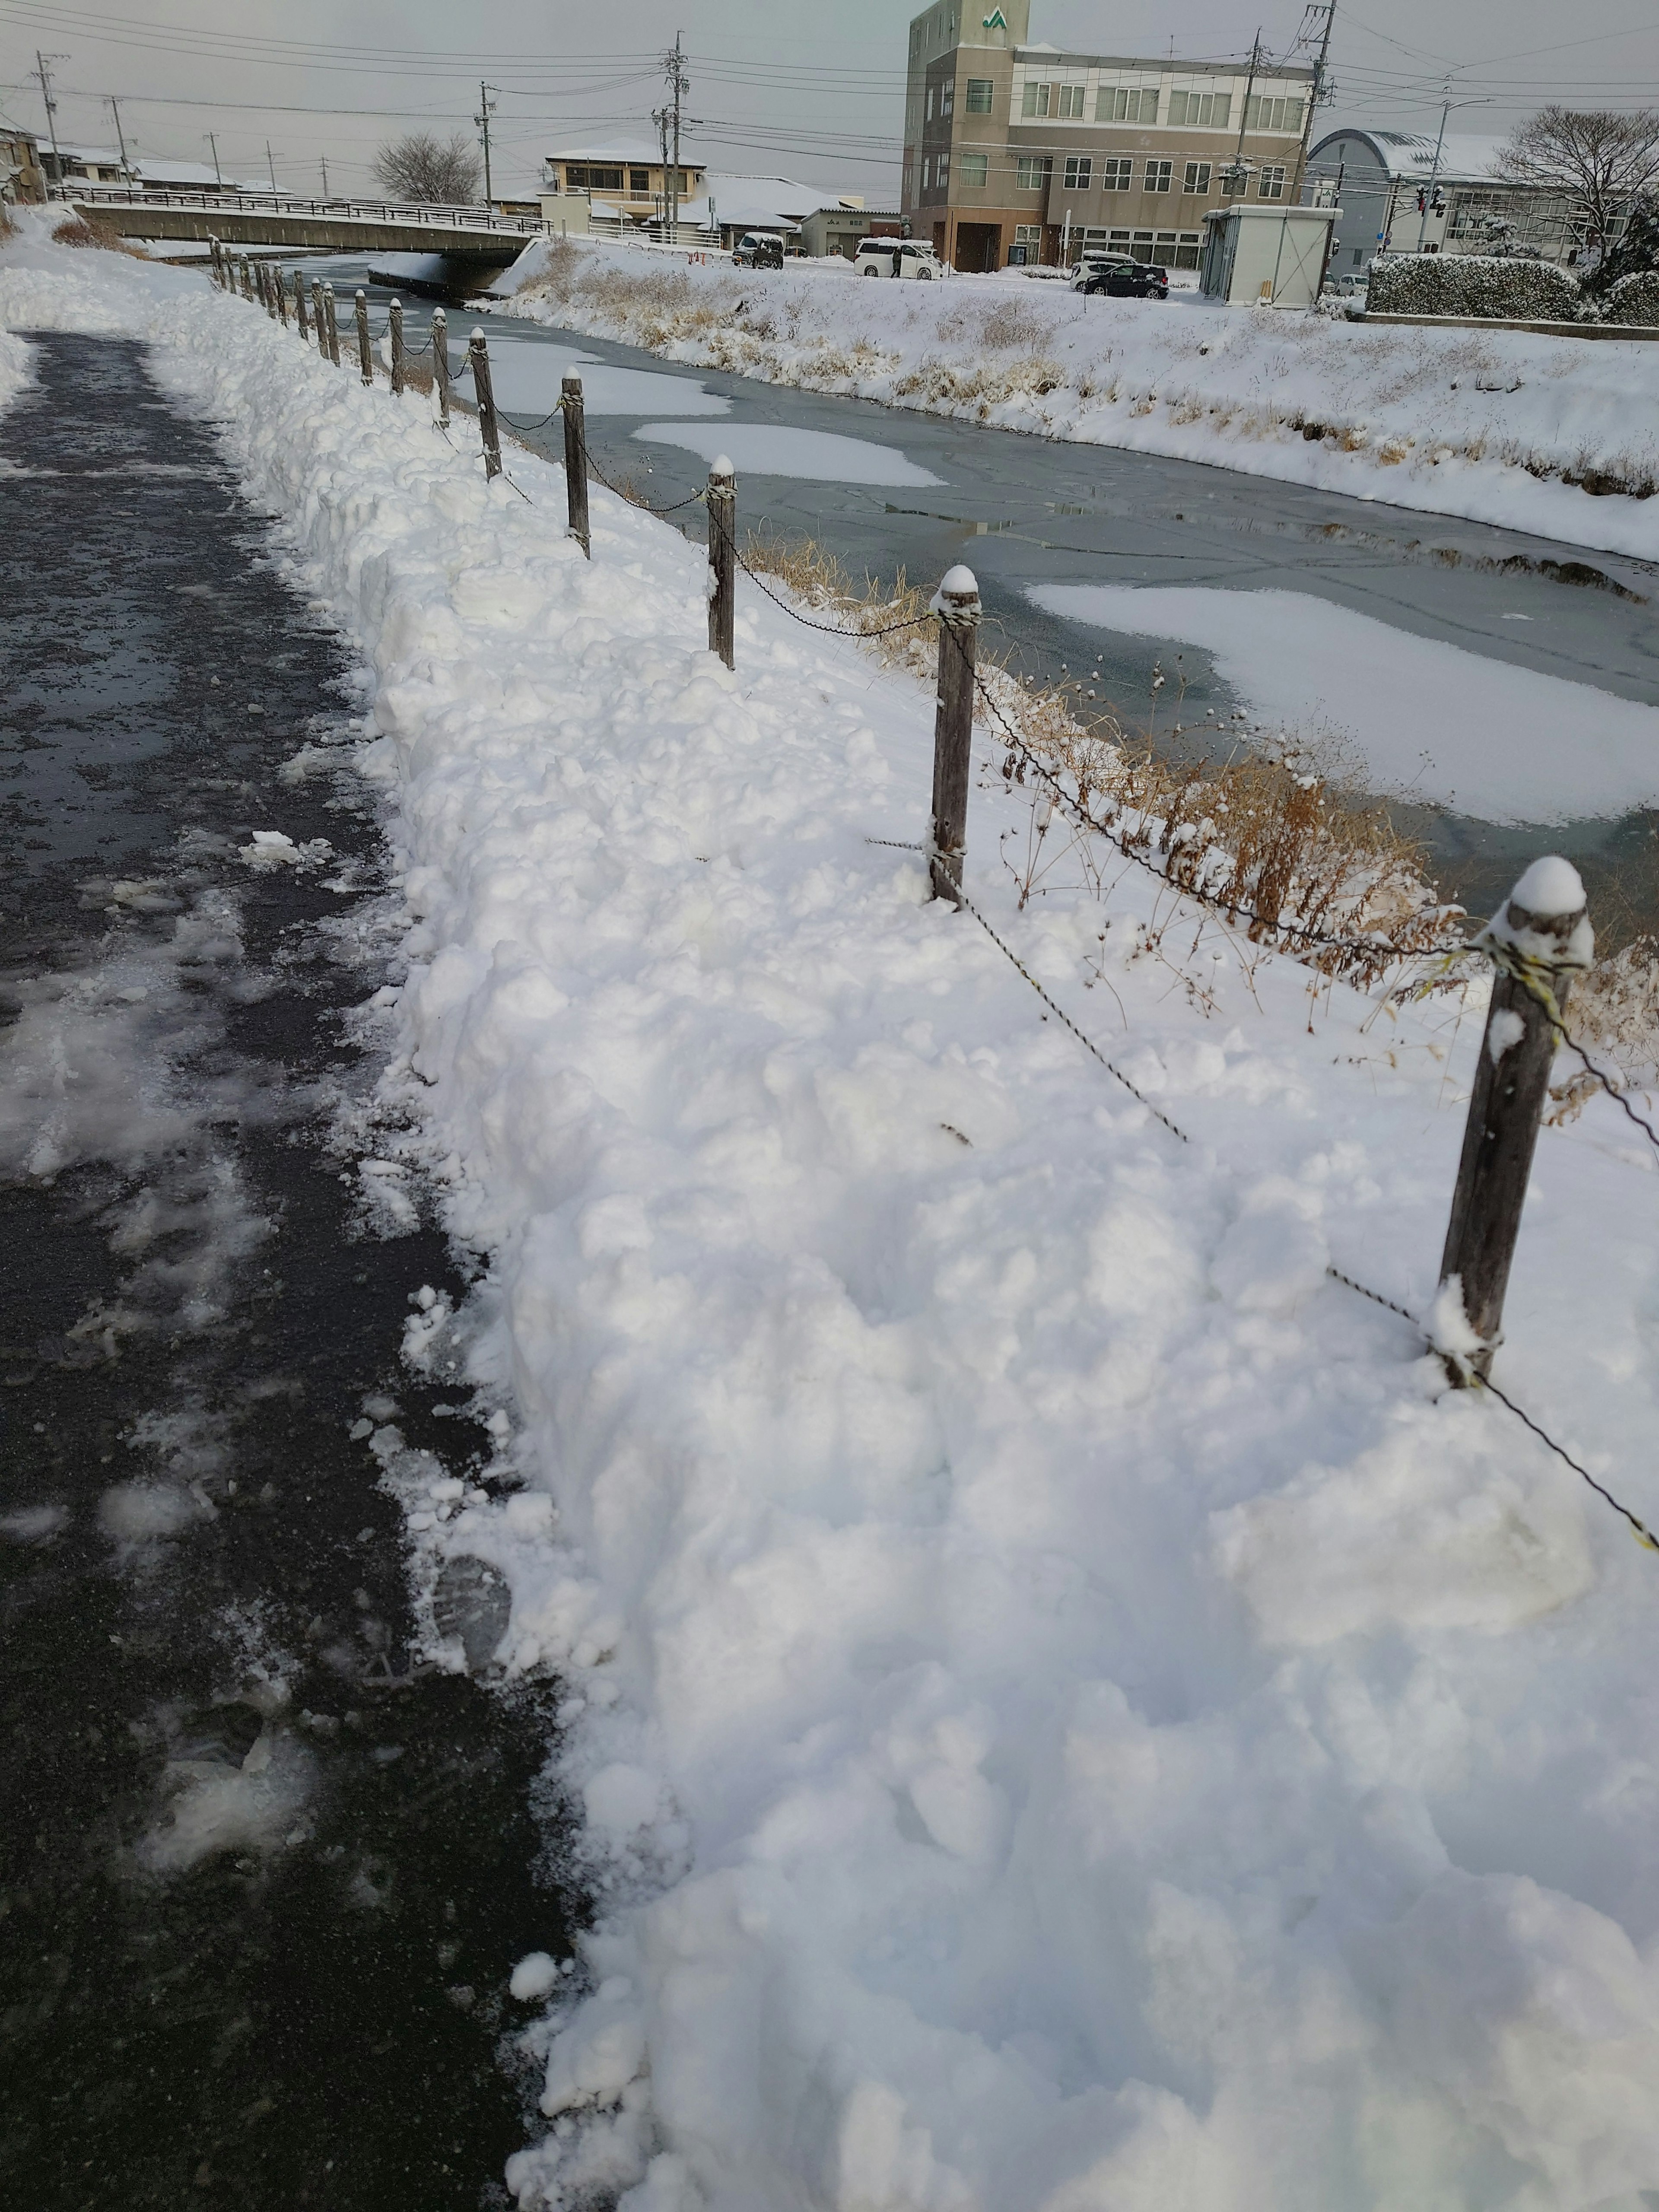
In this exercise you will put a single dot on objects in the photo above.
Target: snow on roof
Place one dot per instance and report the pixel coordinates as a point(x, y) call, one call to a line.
point(622, 150)
point(763, 203)
point(1465, 157)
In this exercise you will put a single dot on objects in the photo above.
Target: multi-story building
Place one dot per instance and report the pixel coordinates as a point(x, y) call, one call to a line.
point(630, 181)
point(22, 179)
point(1019, 153)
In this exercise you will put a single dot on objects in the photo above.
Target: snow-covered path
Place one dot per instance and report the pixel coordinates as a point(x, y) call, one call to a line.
point(1063, 1710)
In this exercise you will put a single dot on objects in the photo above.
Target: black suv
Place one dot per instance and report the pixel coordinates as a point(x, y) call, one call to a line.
point(1123, 279)
point(758, 249)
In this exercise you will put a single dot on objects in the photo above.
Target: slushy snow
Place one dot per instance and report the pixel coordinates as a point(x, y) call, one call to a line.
point(1414, 716)
point(1063, 1712)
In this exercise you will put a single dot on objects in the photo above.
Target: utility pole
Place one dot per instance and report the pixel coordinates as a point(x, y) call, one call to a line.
point(1238, 175)
point(218, 173)
point(1434, 177)
point(43, 71)
point(270, 166)
point(679, 84)
point(325, 162)
point(486, 107)
point(1316, 97)
point(120, 136)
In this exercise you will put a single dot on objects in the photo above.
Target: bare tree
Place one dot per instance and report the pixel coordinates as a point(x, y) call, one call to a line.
point(428, 169)
point(1603, 160)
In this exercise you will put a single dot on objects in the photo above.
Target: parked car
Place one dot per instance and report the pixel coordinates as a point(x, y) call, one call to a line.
point(1122, 278)
point(758, 249)
point(1353, 284)
point(898, 256)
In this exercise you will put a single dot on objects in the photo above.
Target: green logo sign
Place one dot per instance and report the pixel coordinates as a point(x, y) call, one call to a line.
point(996, 20)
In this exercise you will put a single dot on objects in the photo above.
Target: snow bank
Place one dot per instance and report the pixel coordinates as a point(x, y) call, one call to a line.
point(1063, 1712)
point(1546, 434)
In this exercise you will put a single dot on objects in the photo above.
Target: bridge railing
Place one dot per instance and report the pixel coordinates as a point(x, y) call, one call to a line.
point(428, 215)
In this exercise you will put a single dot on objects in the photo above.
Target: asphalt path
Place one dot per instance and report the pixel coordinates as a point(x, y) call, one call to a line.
point(263, 1872)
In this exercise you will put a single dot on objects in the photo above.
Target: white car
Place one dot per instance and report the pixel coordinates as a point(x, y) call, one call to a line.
point(898, 257)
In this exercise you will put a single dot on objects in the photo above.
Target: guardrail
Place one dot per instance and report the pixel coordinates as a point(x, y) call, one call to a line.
point(427, 213)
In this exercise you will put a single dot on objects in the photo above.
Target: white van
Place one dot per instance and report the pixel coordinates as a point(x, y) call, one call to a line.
point(898, 257)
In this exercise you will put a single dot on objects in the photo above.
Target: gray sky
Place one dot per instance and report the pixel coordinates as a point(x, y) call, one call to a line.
point(812, 92)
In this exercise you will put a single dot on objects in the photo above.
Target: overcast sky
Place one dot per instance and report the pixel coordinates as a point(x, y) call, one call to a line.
point(815, 94)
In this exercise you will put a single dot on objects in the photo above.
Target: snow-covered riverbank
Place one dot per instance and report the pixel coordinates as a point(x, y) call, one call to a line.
point(1064, 1711)
point(1550, 436)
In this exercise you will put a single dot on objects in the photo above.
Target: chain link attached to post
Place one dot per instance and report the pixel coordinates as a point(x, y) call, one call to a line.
point(395, 320)
point(478, 361)
point(957, 606)
point(440, 364)
point(723, 501)
point(365, 350)
point(576, 459)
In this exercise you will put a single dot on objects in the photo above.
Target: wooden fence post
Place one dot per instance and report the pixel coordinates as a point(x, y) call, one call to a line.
point(280, 288)
point(723, 501)
point(1539, 941)
point(440, 363)
point(365, 356)
point(218, 254)
point(268, 289)
point(957, 606)
point(576, 459)
point(395, 317)
point(300, 321)
point(332, 312)
point(478, 354)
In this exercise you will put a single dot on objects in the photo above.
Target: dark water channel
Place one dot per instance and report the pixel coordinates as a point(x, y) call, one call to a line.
point(262, 1874)
point(1023, 510)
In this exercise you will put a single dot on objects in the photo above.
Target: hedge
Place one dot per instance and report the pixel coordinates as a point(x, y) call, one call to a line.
point(1633, 299)
point(1473, 284)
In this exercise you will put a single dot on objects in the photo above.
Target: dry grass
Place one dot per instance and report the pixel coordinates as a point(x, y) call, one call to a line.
point(1274, 849)
point(7, 227)
point(74, 230)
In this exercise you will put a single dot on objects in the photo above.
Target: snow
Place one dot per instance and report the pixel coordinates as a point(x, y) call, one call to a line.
point(1550, 886)
point(775, 449)
point(1062, 1708)
point(1410, 715)
point(1501, 427)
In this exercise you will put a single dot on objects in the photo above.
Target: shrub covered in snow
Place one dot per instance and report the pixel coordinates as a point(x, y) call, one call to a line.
point(1634, 299)
point(1473, 284)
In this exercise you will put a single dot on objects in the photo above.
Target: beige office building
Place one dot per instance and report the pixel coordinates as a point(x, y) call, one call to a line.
point(1017, 153)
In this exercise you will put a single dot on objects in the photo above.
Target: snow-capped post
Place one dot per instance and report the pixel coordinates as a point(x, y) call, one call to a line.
point(395, 317)
point(575, 458)
point(332, 308)
point(301, 323)
point(440, 364)
point(723, 560)
point(479, 356)
point(956, 604)
point(279, 286)
point(365, 350)
point(1539, 939)
point(268, 291)
point(218, 254)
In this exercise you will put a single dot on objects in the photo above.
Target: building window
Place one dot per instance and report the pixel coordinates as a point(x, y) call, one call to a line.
point(978, 95)
point(1200, 110)
point(1033, 171)
point(947, 98)
point(1028, 233)
point(1270, 182)
point(1195, 178)
point(1070, 103)
point(975, 169)
point(1117, 176)
point(1159, 174)
point(1186, 249)
point(932, 93)
point(584, 177)
point(1036, 98)
point(1078, 167)
point(639, 181)
point(1141, 246)
point(1282, 117)
point(1117, 103)
point(941, 171)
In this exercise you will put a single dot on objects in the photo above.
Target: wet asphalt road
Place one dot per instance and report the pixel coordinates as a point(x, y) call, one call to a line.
point(261, 1875)
point(1022, 510)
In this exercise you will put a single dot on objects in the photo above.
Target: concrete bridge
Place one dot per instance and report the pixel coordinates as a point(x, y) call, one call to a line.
point(264, 219)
